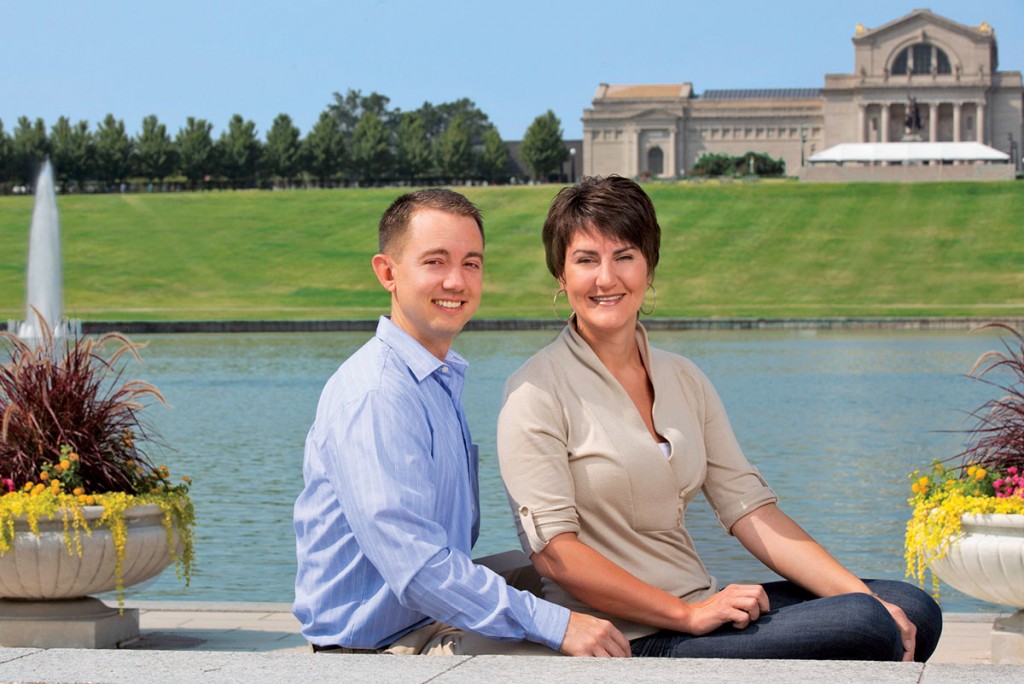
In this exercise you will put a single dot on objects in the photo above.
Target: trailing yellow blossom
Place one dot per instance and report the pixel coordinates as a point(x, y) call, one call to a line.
point(938, 505)
point(178, 512)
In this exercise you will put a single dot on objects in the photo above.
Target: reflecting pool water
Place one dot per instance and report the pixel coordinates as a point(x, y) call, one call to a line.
point(834, 420)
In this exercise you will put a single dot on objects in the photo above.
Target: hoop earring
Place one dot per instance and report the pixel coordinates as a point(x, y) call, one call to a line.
point(654, 304)
point(554, 304)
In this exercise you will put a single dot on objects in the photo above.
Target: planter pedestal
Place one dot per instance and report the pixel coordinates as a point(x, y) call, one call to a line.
point(1008, 640)
point(72, 623)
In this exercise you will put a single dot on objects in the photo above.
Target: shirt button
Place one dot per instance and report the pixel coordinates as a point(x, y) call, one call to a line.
point(444, 369)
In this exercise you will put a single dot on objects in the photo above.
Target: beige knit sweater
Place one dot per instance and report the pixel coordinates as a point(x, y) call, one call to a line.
point(576, 456)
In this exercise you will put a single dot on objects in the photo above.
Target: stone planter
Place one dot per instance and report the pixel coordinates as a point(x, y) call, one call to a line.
point(39, 567)
point(987, 562)
point(44, 588)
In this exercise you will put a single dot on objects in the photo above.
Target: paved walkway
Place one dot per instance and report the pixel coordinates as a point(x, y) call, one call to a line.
point(259, 642)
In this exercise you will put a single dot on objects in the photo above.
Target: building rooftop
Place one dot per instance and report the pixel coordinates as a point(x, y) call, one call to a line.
point(762, 94)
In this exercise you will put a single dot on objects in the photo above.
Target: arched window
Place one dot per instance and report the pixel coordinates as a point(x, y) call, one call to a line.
point(922, 58)
point(655, 161)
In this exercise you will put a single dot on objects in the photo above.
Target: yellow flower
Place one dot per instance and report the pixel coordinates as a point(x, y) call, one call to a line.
point(65, 464)
point(89, 499)
point(79, 491)
point(979, 474)
point(37, 489)
point(187, 479)
point(29, 485)
point(44, 476)
point(72, 456)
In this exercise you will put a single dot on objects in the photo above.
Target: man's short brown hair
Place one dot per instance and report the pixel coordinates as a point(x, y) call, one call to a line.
point(395, 221)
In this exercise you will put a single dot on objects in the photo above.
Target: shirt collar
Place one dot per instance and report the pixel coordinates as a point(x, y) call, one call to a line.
point(582, 350)
point(420, 361)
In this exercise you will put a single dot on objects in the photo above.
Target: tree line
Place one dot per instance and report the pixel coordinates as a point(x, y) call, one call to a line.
point(358, 139)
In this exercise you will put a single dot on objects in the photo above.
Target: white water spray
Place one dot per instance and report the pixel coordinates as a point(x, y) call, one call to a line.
point(45, 288)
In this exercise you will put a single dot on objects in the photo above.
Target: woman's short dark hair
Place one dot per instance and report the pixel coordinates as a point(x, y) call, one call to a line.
point(615, 207)
point(395, 221)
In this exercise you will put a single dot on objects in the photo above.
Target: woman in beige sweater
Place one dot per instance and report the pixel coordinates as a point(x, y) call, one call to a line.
point(604, 441)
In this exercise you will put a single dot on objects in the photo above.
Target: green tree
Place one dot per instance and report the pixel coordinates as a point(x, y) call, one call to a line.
point(414, 158)
point(239, 151)
point(72, 151)
point(436, 119)
point(455, 150)
point(6, 155)
point(543, 149)
point(29, 148)
point(494, 158)
point(282, 155)
point(154, 150)
point(324, 149)
point(194, 146)
point(348, 110)
point(714, 164)
point(115, 154)
point(371, 149)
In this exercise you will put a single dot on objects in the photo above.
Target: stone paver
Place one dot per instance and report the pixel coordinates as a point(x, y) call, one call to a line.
point(213, 643)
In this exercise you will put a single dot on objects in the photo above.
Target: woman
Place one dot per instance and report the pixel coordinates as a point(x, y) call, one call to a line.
point(604, 441)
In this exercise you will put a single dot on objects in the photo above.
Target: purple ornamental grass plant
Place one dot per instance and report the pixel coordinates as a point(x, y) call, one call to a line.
point(60, 395)
point(996, 442)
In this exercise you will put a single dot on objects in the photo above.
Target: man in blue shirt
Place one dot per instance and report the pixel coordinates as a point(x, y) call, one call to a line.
point(389, 513)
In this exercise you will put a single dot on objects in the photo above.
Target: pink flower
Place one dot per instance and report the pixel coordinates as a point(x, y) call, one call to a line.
point(9, 483)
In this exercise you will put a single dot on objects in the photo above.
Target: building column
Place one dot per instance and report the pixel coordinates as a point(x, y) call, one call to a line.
point(885, 122)
point(982, 133)
point(861, 127)
point(957, 107)
point(633, 150)
point(671, 169)
point(933, 121)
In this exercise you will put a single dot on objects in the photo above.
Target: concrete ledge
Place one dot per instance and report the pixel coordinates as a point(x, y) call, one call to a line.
point(63, 665)
point(516, 324)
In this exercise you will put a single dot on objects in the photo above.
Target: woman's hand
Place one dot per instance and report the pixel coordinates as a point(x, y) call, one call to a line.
point(738, 604)
point(908, 630)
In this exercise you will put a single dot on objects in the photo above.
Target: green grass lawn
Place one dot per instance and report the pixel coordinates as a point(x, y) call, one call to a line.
point(743, 249)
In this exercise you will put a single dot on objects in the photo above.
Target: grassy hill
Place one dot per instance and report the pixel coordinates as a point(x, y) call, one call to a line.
point(741, 249)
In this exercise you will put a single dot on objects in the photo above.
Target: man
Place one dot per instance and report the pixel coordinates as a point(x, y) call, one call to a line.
point(389, 513)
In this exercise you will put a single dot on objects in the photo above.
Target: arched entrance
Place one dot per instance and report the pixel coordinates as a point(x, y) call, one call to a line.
point(655, 161)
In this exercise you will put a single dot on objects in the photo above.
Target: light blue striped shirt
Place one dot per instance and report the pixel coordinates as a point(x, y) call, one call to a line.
point(389, 513)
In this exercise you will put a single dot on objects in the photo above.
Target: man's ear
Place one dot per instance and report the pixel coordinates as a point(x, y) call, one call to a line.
point(384, 268)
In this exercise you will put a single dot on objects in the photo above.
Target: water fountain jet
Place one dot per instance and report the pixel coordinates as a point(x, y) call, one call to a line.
point(44, 294)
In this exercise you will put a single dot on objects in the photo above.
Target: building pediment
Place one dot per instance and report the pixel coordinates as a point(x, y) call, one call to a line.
point(922, 19)
point(655, 113)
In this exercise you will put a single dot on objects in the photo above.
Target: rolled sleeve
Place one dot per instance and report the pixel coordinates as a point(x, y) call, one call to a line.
point(532, 455)
point(733, 487)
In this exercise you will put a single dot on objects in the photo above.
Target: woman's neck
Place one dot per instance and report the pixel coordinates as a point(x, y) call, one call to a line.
point(616, 350)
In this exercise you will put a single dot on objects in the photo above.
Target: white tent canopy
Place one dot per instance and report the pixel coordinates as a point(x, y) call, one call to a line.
point(909, 152)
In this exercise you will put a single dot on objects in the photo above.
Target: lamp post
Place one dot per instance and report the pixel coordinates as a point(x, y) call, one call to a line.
point(1013, 152)
point(572, 165)
point(803, 140)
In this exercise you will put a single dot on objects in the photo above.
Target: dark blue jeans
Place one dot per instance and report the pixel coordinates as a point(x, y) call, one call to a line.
point(802, 626)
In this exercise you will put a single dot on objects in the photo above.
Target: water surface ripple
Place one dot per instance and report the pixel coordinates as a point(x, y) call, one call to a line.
point(834, 420)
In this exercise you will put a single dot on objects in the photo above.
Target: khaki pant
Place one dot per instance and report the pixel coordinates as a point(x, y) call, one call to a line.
point(438, 638)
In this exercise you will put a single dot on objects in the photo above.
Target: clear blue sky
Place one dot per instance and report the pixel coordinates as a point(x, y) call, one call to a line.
point(211, 59)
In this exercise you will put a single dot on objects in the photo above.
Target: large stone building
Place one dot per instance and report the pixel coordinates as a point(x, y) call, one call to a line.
point(949, 70)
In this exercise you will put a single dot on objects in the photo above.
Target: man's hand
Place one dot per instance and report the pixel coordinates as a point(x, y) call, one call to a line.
point(587, 635)
point(738, 604)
